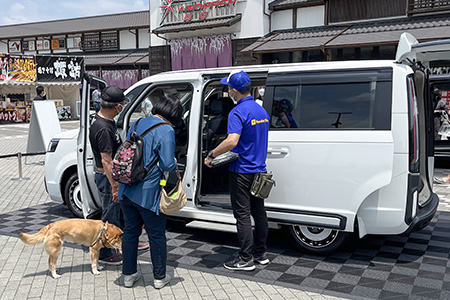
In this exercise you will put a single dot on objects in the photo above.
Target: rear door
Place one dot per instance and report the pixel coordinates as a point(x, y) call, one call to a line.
point(420, 55)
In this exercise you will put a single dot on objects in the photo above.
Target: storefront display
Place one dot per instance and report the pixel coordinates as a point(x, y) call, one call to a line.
point(20, 75)
point(18, 111)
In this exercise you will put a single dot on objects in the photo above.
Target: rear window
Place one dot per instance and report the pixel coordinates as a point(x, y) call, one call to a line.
point(339, 100)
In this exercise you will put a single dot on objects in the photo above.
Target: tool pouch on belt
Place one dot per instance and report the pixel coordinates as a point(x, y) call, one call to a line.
point(262, 185)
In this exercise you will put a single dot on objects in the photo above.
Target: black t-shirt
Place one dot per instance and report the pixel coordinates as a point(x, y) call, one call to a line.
point(104, 138)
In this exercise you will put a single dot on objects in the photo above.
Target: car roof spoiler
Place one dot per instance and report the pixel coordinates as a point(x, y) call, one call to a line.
point(410, 51)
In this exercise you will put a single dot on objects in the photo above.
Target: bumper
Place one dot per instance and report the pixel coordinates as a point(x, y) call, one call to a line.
point(424, 215)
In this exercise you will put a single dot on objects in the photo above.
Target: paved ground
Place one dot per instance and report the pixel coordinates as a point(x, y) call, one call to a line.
point(194, 257)
point(411, 266)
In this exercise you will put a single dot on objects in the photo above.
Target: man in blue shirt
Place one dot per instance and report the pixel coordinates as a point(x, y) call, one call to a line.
point(248, 128)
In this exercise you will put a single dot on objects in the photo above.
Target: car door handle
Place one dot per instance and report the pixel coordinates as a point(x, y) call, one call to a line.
point(277, 151)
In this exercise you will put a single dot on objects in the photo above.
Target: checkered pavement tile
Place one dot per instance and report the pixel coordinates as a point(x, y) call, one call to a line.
point(376, 267)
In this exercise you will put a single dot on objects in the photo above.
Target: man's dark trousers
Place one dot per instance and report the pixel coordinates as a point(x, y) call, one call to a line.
point(245, 205)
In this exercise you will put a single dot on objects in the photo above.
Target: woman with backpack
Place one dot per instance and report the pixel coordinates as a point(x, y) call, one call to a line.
point(140, 201)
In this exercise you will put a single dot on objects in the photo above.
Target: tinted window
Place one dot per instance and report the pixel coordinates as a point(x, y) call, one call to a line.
point(331, 104)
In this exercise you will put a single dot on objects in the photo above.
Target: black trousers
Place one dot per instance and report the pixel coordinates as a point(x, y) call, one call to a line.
point(245, 205)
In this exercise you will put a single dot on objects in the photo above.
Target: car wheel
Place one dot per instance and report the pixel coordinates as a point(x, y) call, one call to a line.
point(316, 240)
point(72, 195)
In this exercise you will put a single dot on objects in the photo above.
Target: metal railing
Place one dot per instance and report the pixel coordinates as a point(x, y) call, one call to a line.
point(19, 158)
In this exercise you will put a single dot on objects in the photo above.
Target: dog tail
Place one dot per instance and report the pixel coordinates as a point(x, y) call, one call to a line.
point(34, 238)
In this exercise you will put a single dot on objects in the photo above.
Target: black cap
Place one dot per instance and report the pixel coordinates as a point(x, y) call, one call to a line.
point(113, 94)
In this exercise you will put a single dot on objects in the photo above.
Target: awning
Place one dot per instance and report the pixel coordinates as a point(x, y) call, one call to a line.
point(286, 4)
point(388, 32)
point(295, 40)
point(118, 58)
point(355, 35)
point(206, 24)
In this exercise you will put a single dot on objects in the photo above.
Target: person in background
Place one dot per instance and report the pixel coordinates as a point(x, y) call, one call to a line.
point(147, 104)
point(439, 113)
point(40, 91)
point(248, 130)
point(140, 202)
point(260, 98)
point(96, 99)
point(146, 107)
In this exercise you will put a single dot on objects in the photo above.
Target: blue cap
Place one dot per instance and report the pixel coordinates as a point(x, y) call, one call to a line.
point(239, 81)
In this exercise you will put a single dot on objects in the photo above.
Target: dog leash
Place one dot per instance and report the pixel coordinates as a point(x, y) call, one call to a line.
point(99, 238)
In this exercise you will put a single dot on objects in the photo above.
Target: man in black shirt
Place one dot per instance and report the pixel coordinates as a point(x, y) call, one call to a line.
point(105, 141)
point(40, 91)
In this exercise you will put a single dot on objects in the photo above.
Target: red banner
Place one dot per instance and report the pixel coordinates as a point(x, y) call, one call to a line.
point(21, 68)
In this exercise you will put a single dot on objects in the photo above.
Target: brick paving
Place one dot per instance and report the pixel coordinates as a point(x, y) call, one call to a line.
point(24, 268)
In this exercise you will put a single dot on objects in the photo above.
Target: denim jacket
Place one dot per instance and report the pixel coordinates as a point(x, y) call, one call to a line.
point(158, 142)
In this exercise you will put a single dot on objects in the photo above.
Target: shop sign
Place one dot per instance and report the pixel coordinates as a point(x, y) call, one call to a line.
point(184, 11)
point(21, 68)
point(15, 47)
point(31, 46)
point(8, 114)
point(3, 67)
point(42, 45)
point(204, 5)
point(58, 44)
point(63, 68)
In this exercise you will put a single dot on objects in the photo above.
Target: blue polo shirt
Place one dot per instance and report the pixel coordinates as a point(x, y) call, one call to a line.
point(251, 121)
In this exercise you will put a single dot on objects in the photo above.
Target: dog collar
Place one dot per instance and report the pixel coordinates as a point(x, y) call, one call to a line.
point(100, 234)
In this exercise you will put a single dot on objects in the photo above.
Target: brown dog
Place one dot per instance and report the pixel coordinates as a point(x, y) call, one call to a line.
point(92, 233)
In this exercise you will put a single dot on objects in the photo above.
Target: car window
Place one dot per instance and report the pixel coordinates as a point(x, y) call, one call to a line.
point(183, 92)
point(327, 104)
point(131, 96)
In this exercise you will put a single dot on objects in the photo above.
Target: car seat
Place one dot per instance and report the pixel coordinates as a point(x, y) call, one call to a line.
point(216, 127)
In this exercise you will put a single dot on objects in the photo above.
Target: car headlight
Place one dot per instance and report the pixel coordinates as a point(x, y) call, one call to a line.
point(52, 145)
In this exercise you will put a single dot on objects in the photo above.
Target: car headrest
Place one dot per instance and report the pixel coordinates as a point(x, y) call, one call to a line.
point(222, 106)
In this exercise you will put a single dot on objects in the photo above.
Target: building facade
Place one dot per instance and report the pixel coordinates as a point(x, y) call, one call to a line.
point(115, 46)
point(316, 30)
point(186, 34)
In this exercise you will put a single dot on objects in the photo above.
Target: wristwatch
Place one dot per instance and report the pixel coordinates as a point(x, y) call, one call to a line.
point(210, 155)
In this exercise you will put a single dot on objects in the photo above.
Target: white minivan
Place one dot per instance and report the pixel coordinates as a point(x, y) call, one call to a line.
point(357, 156)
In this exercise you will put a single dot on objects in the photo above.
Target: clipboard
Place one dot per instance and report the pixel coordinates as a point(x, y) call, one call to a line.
point(224, 159)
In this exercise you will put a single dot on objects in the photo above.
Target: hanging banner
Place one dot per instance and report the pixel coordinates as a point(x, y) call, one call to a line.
point(3, 67)
point(59, 68)
point(21, 68)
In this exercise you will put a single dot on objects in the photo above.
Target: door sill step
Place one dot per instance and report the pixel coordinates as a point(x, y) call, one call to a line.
point(212, 226)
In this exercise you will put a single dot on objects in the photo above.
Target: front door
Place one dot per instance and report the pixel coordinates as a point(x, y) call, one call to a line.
point(85, 158)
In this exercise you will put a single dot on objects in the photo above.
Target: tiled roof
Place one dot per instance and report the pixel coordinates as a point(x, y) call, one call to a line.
point(88, 24)
point(374, 32)
point(389, 31)
point(211, 23)
point(279, 4)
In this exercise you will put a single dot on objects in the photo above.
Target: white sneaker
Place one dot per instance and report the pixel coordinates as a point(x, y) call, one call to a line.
point(160, 283)
point(129, 280)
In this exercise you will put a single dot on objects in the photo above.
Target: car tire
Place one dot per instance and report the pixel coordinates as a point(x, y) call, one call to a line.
point(318, 241)
point(72, 195)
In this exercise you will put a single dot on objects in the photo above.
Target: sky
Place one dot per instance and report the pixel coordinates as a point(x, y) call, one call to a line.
point(16, 12)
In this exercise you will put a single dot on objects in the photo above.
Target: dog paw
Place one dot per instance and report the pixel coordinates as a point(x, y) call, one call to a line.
point(56, 276)
point(100, 267)
point(95, 272)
